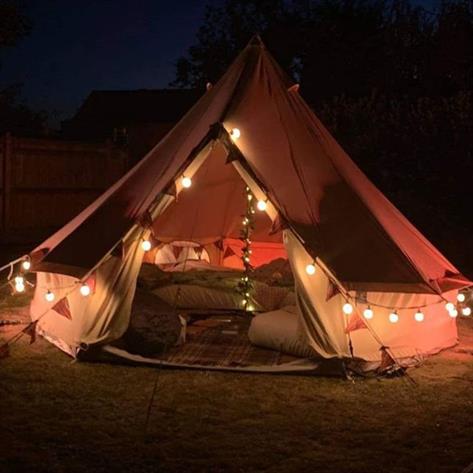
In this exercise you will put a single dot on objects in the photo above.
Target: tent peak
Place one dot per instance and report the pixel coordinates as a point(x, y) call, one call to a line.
point(256, 41)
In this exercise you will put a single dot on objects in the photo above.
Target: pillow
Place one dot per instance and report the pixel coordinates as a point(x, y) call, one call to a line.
point(280, 330)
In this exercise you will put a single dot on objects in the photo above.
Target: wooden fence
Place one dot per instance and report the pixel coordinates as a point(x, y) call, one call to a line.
point(45, 182)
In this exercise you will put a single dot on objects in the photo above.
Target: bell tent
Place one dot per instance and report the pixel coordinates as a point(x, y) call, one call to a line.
point(365, 278)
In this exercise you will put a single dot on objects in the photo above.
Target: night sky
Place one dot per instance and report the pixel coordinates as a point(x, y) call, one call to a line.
point(80, 45)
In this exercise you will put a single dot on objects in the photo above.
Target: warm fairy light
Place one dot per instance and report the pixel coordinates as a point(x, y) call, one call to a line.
point(49, 296)
point(235, 134)
point(250, 307)
point(250, 197)
point(146, 245)
point(419, 316)
point(393, 317)
point(261, 205)
point(347, 308)
point(244, 302)
point(449, 306)
point(19, 280)
point(26, 265)
point(85, 289)
point(466, 311)
point(453, 313)
point(368, 313)
point(310, 269)
point(186, 182)
point(461, 297)
point(245, 221)
point(19, 287)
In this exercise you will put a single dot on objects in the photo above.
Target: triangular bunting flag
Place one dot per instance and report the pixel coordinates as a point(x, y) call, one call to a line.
point(386, 360)
point(62, 308)
point(176, 251)
point(355, 323)
point(228, 252)
point(332, 291)
point(30, 330)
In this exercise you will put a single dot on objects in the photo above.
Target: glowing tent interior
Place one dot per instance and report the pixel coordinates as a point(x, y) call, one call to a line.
point(350, 250)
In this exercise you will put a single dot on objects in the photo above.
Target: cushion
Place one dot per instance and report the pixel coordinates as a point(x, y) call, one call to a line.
point(280, 330)
point(154, 326)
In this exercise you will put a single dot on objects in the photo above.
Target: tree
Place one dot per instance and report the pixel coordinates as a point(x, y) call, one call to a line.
point(14, 115)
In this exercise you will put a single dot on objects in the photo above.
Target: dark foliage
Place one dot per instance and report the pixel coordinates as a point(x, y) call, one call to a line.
point(15, 116)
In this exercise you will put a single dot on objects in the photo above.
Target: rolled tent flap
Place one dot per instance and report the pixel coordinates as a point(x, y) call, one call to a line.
point(99, 318)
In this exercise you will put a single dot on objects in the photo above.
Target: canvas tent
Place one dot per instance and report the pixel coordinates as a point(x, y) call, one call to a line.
point(321, 207)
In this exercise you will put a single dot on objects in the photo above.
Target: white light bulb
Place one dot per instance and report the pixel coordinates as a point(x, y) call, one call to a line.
point(250, 196)
point(235, 134)
point(26, 265)
point(85, 289)
point(461, 297)
point(466, 311)
point(449, 306)
point(19, 287)
point(347, 308)
point(419, 316)
point(393, 317)
point(310, 269)
point(49, 296)
point(368, 313)
point(243, 302)
point(453, 313)
point(261, 205)
point(186, 182)
point(146, 245)
point(19, 280)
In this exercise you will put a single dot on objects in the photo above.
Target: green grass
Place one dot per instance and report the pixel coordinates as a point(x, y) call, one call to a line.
point(58, 416)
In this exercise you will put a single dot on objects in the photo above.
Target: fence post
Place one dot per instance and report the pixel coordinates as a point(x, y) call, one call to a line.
point(6, 184)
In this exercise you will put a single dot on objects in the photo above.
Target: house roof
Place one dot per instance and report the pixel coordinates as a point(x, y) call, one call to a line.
point(104, 110)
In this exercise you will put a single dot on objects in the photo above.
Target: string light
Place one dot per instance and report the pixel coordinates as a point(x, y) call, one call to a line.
point(466, 311)
point(146, 245)
point(347, 308)
point(261, 205)
point(85, 289)
point(368, 313)
point(449, 306)
point(419, 316)
point(26, 264)
point(461, 297)
point(186, 182)
point(235, 134)
point(245, 221)
point(310, 269)
point(453, 313)
point(49, 296)
point(394, 317)
point(20, 284)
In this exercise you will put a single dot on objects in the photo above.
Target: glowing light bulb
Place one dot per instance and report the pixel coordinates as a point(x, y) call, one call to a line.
point(347, 308)
point(186, 182)
point(466, 311)
point(85, 289)
point(310, 269)
point(26, 265)
point(394, 317)
point(146, 245)
point(419, 316)
point(244, 302)
point(453, 313)
point(235, 134)
point(449, 306)
point(368, 313)
point(250, 196)
point(461, 297)
point(19, 280)
point(19, 287)
point(245, 221)
point(49, 296)
point(261, 205)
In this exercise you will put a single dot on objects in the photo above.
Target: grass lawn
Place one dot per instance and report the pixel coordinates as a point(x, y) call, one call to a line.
point(60, 416)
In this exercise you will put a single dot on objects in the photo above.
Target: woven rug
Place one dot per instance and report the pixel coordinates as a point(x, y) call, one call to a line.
point(222, 341)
